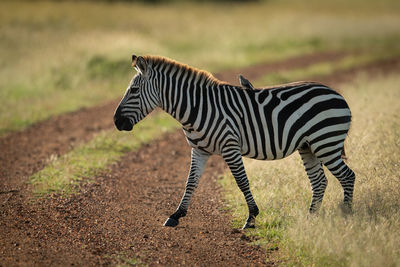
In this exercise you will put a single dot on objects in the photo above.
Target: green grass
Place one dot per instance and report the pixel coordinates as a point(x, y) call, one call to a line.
point(370, 237)
point(121, 260)
point(62, 174)
point(57, 57)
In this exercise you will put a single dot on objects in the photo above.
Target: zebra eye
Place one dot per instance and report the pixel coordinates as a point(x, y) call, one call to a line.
point(134, 89)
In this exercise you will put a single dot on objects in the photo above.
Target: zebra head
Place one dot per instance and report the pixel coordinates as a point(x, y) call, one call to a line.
point(140, 97)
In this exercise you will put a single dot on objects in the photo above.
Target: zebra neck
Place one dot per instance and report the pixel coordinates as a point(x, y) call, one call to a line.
point(188, 100)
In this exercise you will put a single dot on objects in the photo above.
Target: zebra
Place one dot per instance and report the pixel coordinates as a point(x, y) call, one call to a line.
point(265, 123)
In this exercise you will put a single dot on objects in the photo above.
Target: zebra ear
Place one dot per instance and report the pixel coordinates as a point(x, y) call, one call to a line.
point(141, 65)
point(134, 60)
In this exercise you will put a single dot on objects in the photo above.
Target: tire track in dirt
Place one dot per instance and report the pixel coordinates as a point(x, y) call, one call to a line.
point(26, 152)
point(122, 212)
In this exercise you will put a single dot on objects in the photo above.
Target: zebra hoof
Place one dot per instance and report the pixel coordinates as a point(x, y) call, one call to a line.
point(248, 226)
point(171, 222)
point(346, 209)
point(250, 223)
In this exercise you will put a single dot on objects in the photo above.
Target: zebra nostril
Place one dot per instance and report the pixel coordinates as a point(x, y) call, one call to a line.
point(123, 123)
point(127, 126)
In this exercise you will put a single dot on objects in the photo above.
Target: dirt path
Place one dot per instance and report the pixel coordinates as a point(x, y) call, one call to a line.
point(121, 212)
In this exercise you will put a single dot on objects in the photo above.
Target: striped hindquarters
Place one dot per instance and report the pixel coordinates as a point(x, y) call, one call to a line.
point(278, 121)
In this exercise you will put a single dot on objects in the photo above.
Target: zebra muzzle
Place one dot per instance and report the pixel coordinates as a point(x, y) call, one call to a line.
point(123, 123)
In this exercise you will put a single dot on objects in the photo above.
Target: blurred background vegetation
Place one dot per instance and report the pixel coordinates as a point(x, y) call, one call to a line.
point(58, 56)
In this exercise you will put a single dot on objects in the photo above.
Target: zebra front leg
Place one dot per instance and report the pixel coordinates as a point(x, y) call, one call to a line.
point(199, 160)
point(234, 160)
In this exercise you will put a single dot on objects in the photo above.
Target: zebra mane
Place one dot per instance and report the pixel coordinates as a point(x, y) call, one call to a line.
point(158, 61)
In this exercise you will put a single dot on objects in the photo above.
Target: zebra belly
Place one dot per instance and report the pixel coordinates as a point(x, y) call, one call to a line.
point(259, 140)
point(266, 154)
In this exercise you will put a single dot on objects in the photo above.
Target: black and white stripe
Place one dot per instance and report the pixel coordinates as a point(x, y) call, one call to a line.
point(232, 121)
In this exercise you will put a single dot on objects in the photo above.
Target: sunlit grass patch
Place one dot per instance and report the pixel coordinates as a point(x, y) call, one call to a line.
point(369, 237)
point(122, 260)
point(84, 161)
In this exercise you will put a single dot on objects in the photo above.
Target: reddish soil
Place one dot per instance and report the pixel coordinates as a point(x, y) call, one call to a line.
point(122, 212)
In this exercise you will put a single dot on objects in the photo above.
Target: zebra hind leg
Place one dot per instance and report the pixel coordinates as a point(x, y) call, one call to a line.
point(334, 162)
point(316, 175)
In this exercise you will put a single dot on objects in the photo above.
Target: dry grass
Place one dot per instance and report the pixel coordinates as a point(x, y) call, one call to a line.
point(371, 236)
